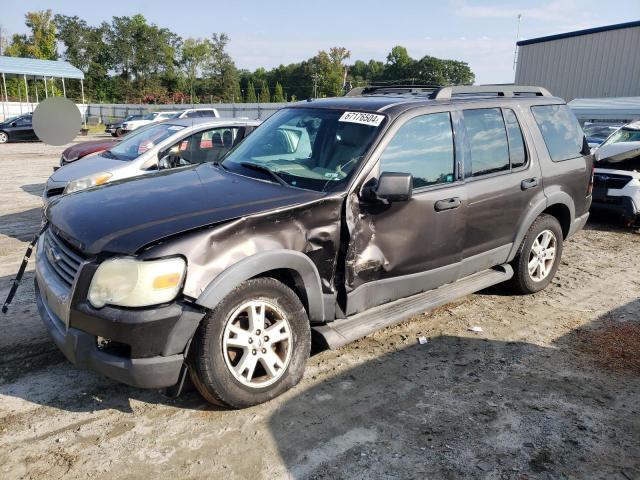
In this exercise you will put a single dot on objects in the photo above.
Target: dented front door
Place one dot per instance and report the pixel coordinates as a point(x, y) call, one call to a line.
point(403, 248)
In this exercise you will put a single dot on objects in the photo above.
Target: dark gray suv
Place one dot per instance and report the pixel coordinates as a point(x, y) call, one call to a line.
point(339, 216)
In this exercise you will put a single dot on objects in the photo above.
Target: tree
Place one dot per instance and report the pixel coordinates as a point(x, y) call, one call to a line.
point(195, 53)
point(41, 43)
point(331, 70)
point(251, 94)
point(220, 69)
point(265, 94)
point(278, 94)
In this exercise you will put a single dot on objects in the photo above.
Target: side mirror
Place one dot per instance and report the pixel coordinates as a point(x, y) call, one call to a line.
point(14, 124)
point(390, 187)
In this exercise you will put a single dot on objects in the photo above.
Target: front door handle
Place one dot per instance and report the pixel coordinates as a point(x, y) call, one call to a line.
point(529, 183)
point(447, 204)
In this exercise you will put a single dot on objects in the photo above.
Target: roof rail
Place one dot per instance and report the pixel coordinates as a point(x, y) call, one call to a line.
point(445, 93)
point(393, 90)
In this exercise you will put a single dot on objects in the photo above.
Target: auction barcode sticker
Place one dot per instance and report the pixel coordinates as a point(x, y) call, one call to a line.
point(363, 118)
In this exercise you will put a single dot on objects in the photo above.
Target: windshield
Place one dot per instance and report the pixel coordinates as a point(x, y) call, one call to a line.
point(624, 135)
point(150, 116)
point(11, 119)
point(315, 149)
point(138, 142)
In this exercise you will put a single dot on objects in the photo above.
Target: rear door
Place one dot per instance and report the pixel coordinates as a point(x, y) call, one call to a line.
point(502, 179)
point(24, 129)
point(403, 248)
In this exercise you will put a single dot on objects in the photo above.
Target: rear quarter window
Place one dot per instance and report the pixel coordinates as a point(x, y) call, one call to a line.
point(561, 131)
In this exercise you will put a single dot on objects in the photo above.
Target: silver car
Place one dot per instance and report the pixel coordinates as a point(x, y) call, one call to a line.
point(170, 144)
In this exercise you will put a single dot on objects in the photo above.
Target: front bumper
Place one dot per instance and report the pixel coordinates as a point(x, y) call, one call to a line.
point(143, 347)
point(621, 207)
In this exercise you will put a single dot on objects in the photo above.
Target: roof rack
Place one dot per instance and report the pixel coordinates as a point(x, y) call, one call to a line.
point(393, 90)
point(446, 93)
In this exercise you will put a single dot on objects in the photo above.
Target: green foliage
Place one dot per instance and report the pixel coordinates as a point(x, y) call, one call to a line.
point(251, 94)
point(131, 60)
point(278, 94)
point(265, 94)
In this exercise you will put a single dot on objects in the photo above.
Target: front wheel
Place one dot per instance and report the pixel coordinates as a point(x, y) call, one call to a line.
point(539, 255)
point(253, 346)
point(4, 138)
point(119, 132)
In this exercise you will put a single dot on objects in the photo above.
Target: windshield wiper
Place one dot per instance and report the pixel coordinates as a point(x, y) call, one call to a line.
point(263, 169)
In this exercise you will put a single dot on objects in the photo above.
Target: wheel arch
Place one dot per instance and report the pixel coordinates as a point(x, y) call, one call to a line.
point(292, 268)
point(559, 205)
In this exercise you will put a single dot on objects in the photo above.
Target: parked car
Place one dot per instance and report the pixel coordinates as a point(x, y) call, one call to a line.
point(159, 146)
point(115, 129)
point(17, 129)
point(597, 133)
point(617, 175)
point(82, 149)
point(152, 117)
point(341, 215)
point(198, 112)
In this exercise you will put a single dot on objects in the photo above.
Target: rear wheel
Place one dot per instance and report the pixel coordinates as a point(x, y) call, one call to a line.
point(119, 132)
point(4, 138)
point(539, 255)
point(253, 346)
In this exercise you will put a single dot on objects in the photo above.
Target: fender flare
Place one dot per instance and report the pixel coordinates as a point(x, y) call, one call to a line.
point(534, 212)
point(262, 262)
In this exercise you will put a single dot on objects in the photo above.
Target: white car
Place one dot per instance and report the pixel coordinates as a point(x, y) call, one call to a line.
point(617, 175)
point(146, 120)
point(171, 144)
point(198, 112)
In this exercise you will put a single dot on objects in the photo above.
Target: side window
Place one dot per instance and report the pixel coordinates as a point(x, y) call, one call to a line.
point(561, 131)
point(422, 147)
point(205, 146)
point(192, 114)
point(487, 141)
point(517, 152)
point(23, 122)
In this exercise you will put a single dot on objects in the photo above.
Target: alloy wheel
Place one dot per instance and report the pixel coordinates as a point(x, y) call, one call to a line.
point(542, 255)
point(257, 343)
point(3, 137)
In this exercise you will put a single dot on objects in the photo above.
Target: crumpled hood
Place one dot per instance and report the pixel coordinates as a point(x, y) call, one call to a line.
point(124, 216)
point(88, 166)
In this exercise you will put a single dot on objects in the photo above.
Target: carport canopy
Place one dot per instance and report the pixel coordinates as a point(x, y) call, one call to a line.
point(31, 67)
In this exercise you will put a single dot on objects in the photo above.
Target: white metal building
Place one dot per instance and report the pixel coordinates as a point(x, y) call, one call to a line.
point(594, 63)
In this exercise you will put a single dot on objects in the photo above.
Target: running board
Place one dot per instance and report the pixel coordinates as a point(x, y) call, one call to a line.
point(346, 330)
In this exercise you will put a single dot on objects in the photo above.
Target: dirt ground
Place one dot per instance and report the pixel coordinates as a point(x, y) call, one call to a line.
point(534, 395)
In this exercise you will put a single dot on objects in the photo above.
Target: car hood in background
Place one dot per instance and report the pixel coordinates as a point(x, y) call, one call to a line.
point(617, 152)
point(125, 216)
point(88, 166)
point(85, 148)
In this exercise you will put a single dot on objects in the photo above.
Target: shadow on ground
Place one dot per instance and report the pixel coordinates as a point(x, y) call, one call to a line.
point(35, 189)
point(21, 225)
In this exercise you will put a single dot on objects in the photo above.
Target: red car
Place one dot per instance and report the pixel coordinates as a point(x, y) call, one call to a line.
point(82, 149)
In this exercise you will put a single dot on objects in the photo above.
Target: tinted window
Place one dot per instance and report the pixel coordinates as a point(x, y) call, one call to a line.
point(23, 122)
point(192, 114)
point(561, 131)
point(487, 141)
point(517, 152)
point(422, 147)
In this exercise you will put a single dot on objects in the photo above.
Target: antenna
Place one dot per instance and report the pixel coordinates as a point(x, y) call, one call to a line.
point(515, 52)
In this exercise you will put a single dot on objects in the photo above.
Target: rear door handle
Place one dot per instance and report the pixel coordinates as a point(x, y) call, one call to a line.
point(447, 204)
point(529, 183)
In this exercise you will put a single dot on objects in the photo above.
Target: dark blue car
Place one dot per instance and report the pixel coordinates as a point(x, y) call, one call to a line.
point(17, 129)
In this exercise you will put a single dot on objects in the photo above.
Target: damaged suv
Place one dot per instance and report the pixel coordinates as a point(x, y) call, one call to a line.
point(338, 216)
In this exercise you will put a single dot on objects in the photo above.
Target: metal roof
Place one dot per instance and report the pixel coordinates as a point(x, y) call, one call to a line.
point(577, 33)
point(39, 68)
point(610, 108)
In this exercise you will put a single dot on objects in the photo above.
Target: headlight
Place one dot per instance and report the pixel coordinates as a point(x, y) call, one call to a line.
point(86, 182)
point(127, 282)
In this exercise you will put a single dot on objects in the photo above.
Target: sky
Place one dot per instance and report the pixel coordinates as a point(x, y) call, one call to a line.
point(267, 34)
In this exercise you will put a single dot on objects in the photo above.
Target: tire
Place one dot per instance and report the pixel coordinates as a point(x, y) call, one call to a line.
point(118, 132)
point(215, 361)
point(4, 137)
point(527, 281)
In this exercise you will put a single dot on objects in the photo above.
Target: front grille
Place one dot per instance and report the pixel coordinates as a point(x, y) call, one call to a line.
point(610, 180)
point(53, 192)
point(64, 261)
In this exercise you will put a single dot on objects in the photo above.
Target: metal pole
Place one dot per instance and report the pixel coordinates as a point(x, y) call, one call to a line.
point(20, 97)
point(84, 116)
point(53, 93)
point(35, 85)
point(26, 91)
point(4, 103)
point(46, 92)
point(6, 96)
point(64, 90)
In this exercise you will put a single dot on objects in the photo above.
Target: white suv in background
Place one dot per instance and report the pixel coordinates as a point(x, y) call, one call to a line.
point(146, 120)
point(617, 175)
point(198, 112)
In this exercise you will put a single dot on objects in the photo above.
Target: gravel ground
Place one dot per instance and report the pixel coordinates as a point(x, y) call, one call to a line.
point(548, 389)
